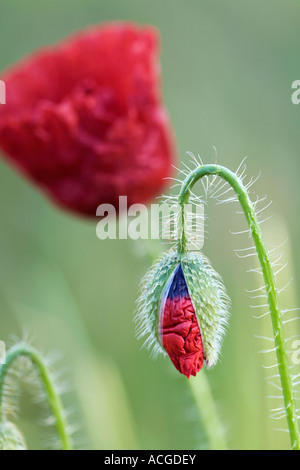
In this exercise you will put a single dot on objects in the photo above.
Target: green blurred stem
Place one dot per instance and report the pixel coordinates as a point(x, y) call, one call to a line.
point(208, 411)
point(269, 278)
point(53, 398)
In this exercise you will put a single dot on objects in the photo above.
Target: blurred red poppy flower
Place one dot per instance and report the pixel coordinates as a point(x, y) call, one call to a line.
point(85, 121)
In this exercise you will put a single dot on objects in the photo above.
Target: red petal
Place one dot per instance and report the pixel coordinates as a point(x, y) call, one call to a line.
point(84, 119)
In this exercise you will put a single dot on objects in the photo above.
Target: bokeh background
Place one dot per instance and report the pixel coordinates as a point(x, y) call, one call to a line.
point(227, 72)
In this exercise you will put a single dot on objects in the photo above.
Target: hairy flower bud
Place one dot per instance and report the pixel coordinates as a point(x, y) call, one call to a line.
point(182, 311)
point(10, 437)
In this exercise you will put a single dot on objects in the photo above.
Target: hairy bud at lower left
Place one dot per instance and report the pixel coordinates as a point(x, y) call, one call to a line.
point(10, 437)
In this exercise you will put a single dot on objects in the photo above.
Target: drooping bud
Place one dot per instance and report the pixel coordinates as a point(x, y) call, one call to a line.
point(182, 311)
point(10, 437)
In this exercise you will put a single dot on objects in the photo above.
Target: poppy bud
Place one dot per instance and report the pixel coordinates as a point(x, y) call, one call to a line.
point(182, 311)
point(10, 437)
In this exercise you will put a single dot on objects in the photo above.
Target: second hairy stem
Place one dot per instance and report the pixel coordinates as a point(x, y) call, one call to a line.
point(269, 278)
point(53, 399)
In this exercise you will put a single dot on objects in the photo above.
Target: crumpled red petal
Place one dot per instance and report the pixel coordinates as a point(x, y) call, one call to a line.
point(179, 328)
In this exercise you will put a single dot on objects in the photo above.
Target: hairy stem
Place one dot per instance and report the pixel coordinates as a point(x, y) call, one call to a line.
point(269, 278)
point(53, 399)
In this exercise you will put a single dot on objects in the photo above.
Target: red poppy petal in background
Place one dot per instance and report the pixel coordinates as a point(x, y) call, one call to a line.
point(85, 121)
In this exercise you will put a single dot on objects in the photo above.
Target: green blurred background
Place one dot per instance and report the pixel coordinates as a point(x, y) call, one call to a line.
point(227, 73)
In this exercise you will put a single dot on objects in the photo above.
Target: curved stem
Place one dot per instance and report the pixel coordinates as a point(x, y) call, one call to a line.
point(269, 278)
point(54, 399)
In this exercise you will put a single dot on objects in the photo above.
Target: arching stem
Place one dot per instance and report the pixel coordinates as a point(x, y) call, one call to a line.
point(269, 278)
point(53, 399)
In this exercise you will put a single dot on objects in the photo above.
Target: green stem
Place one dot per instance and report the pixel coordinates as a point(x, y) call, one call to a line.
point(54, 400)
point(269, 278)
point(208, 412)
